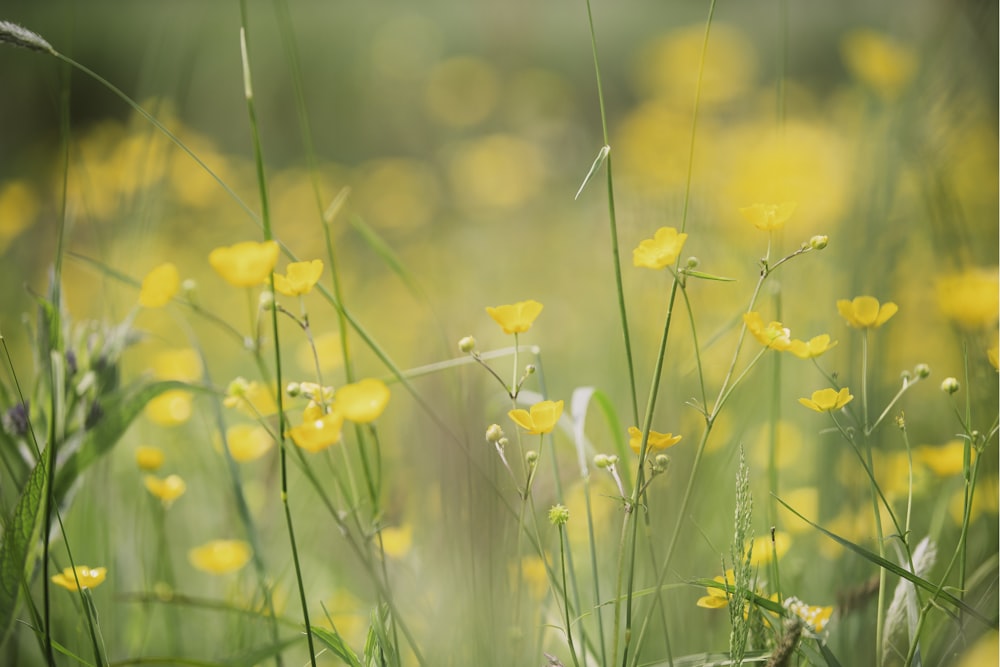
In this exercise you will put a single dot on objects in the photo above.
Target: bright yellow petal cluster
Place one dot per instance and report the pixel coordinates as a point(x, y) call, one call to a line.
point(718, 598)
point(90, 577)
point(245, 264)
point(159, 286)
point(827, 400)
point(660, 251)
point(541, 418)
point(814, 347)
point(248, 442)
point(517, 317)
point(299, 277)
point(772, 335)
point(362, 402)
point(315, 435)
point(167, 489)
point(655, 442)
point(171, 408)
point(149, 458)
point(220, 556)
point(865, 312)
point(971, 298)
point(768, 217)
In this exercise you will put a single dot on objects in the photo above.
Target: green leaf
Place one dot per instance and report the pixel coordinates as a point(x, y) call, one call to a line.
point(706, 276)
point(19, 538)
point(602, 155)
point(337, 645)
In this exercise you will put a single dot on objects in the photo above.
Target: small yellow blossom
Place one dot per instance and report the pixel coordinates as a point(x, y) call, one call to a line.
point(315, 435)
point(159, 286)
point(245, 264)
point(396, 541)
point(879, 61)
point(248, 442)
point(768, 217)
point(827, 400)
point(515, 318)
point(299, 277)
point(865, 312)
point(220, 556)
point(718, 598)
point(149, 458)
point(171, 408)
point(90, 577)
point(764, 550)
point(660, 251)
point(362, 402)
point(815, 618)
point(970, 298)
point(773, 335)
point(655, 442)
point(541, 418)
point(251, 398)
point(816, 346)
point(168, 489)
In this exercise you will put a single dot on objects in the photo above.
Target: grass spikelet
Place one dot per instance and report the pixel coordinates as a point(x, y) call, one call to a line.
point(12, 33)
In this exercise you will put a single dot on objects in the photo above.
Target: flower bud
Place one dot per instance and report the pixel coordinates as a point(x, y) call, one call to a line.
point(922, 370)
point(293, 389)
point(950, 385)
point(529, 369)
point(819, 242)
point(661, 462)
point(503, 442)
point(467, 344)
point(531, 457)
point(602, 461)
point(189, 287)
point(692, 262)
point(494, 433)
point(558, 515)
point(266, 300)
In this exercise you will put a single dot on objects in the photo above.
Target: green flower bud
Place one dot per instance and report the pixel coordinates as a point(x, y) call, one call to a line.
point(467, 344)
point(293, 389)
point(819, 242)
point(922, 370)
point(531, 456)
point(602, 461)
point(692, 262)
point(558, 515)
point(494, 433)
point(950, 385)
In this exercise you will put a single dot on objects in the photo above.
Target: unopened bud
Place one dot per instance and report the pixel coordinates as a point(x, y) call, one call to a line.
point(819, 242)
point(602, 461)
point(293, 389)
point(494, 433)
point(503, 442)
point(266, 300)
point(692, 262)
point(467, 344)
point(558, 515)
point(189, 286)
point(661, 462)
point(950, 385)
point(529, 369)
point(531, 457)
point(922, 370)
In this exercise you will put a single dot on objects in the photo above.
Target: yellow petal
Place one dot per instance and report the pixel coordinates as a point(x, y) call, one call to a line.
point(316, 435)
point(885, 312)
point(220, 556)
point(159, 286)
point(245, 264)
point(248, 442)
point(167, 489)
point(149, 458)
point(171, 408)
point(517, 317)
point(362, 402)
point(299, 278)
point(522, 418)
point(90, 577)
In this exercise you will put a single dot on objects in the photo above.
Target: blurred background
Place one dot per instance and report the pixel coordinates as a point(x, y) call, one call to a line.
point(463, 131)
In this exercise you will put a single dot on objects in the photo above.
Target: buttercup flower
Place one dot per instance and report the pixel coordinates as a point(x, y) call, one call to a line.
point(864, 312)
point(315, 435)
point(220, 556)
point(362, 402)
point(827, 400)
point(159, 286)
point(517, 317)
point(660, 251)
point(396, 541)
point(768, 217)
point(656, 441)
point(299, 277)
point(815, 618)
point(717, 597)
point(245, 264)
point(764, 549)
point(943, 460)
point(171, 408)
point(773, 335)
point(168, 489)
point(149, 458)
point(879, 61)
point(542, 417)
point(816, 346)
point(90, 577)
point(970, 297)
point(250, 397)
point(248, 442)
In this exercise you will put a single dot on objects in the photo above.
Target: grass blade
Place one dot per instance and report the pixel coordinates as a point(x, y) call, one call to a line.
point(602, 155)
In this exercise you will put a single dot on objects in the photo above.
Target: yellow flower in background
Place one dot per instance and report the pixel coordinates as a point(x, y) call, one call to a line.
point(245, 264)
point(220, 556)
point(718, 598)
point(773, 335)
point(661, 250)
point(827, 400)
point(815, 618)
point(327, 348)
point(768, 217)
point(149, 458)
point(970, 298)
point(248, 442)
point(993, 354)
point(805, 501)
point(865, 312)
point(171, 408)
point(299, 277)
point(362, 402)
point(250, 397)
point(764, 550)
point(159, 286)
point(396, 541)
point(167, 489)
point(655, 442)
point(19, 206)
point(183, 364)
point(315, 435)
point(515, 318)
point(879, 61)
point(90, 577)
point(535, 575)
point(816, 346)
point(983, 651)
point(461, 91)
point(944, 460)
point(542, 417)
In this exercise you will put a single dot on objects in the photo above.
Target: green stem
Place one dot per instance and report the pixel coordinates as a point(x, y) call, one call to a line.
point(569, 620)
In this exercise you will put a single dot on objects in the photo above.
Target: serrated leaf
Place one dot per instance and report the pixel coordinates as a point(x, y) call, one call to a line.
point(336, 644)
point(602, 155)
point(708, 276)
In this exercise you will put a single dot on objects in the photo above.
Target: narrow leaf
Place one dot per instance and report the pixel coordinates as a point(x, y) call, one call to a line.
point(707, 276)
point(336, 644)
point(602, 155)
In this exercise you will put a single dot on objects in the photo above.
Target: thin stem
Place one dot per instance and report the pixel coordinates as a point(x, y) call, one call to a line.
point(569, 620)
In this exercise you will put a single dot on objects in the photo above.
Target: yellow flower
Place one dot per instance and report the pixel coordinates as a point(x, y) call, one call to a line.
point(90, 577)
point(865, 312)
point(171, 408)
point(879, 61)
point(944, 460)
point(773, 335)
point(656, 441)
point(827, 400)
point(362, 402)
point(515, 318)
point(815, 618)
point(763, 551)
point(541, 419)
point(168, 489)
point(717, 598)
point(970, 298)
point(251, 398)
point(816, 346)
point(220, 556)
point(661, 250)
point(159, 286)
point(315, 435)
point(396, 542)
point(149, 458)
point(245, 264)
point(768, 217)
point(248, 442)
point(181, 364)
point(299, 277)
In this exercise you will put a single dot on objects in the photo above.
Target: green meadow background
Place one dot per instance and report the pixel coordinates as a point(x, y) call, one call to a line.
point(460, 133)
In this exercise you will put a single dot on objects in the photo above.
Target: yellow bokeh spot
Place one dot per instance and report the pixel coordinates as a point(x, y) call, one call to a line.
point(461, 91)
point(497, 171)
point(397, 193)
point(171, 408)
point(328, 350)
point(248, 442)
point(19, 206)
point(397, 540)
point(220, 556)
point(183, 364)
